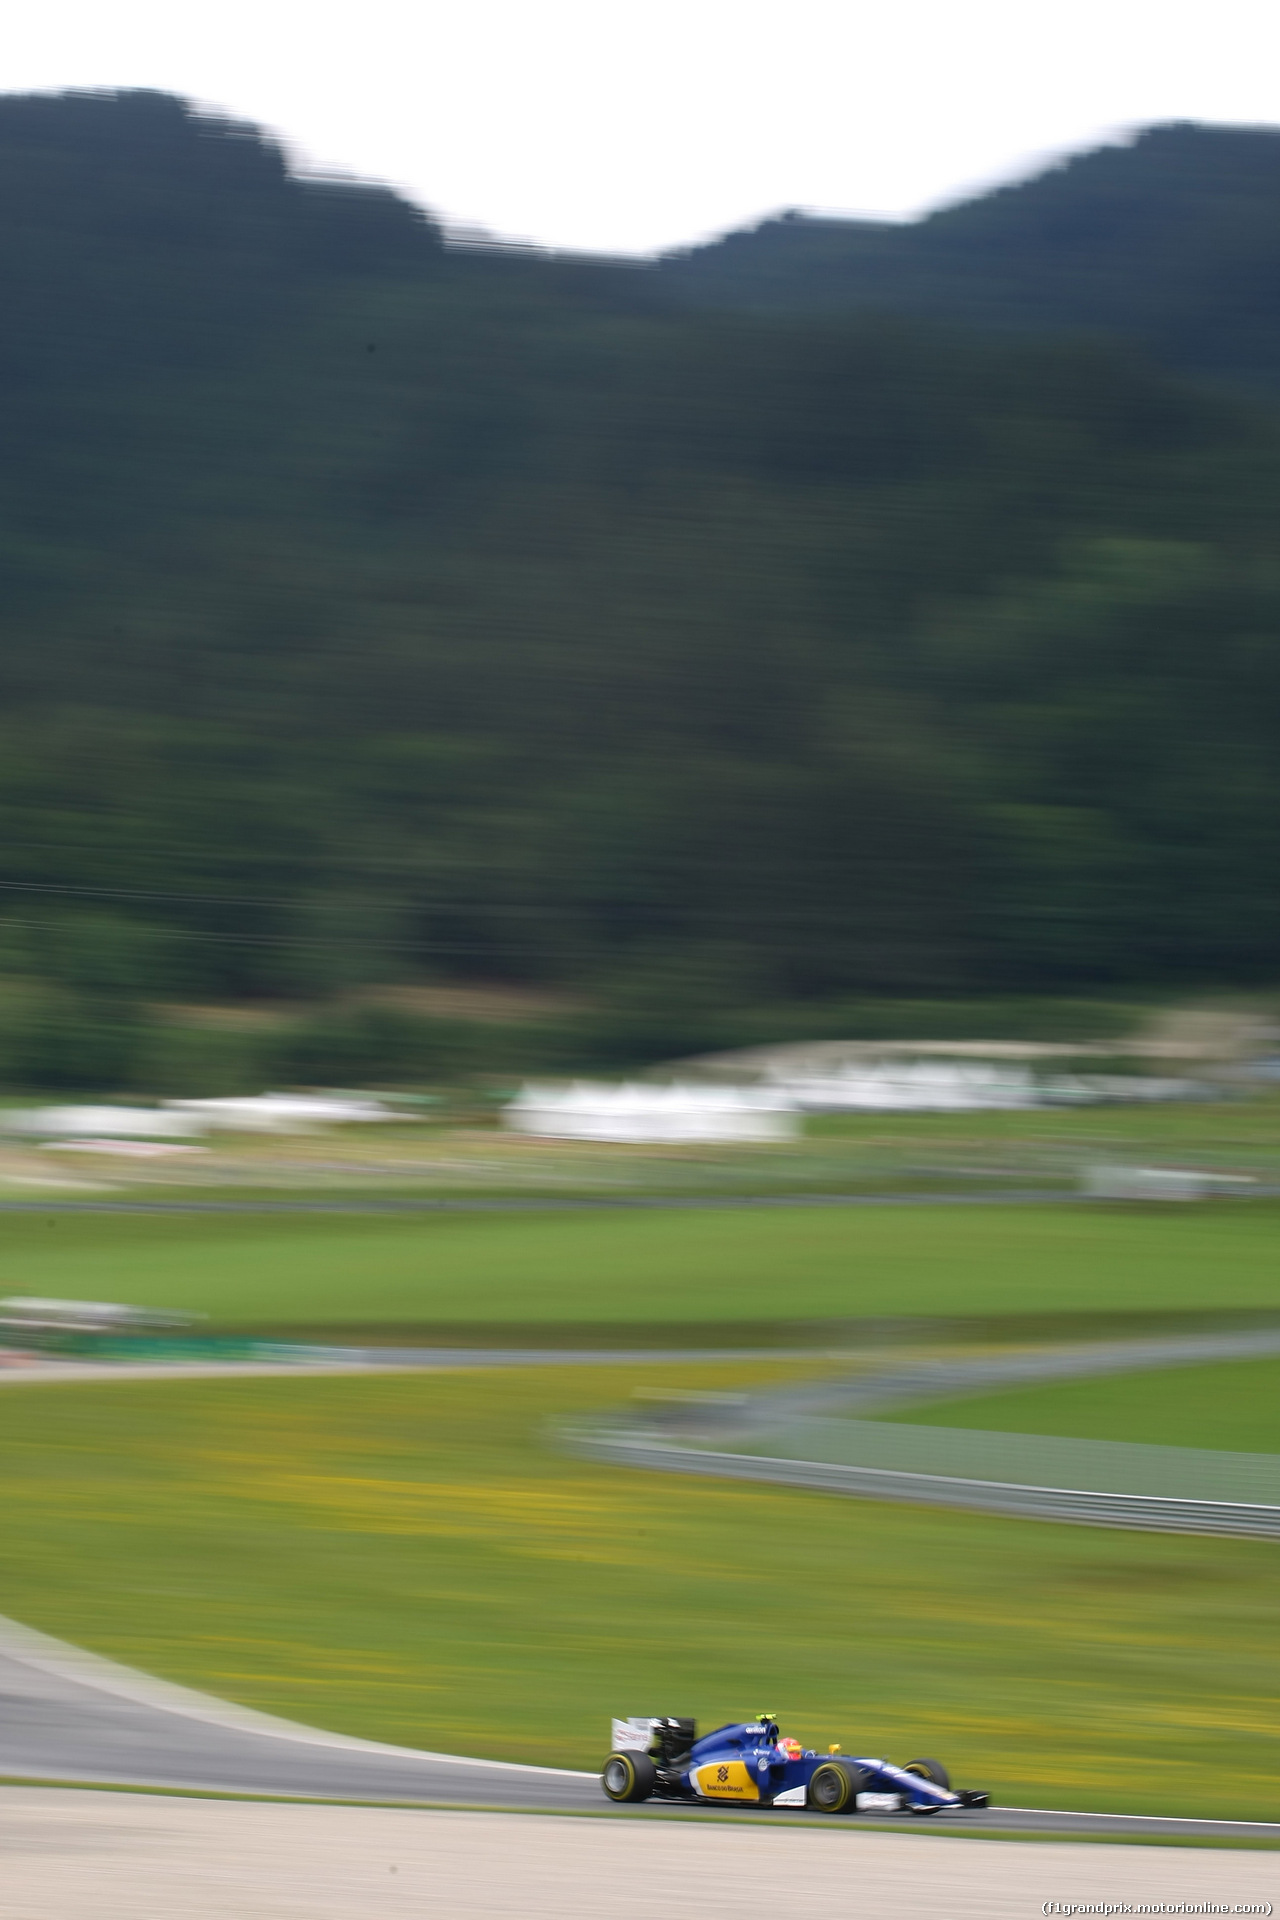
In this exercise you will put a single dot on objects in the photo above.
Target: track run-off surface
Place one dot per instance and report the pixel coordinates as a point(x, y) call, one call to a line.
point(123, 1856)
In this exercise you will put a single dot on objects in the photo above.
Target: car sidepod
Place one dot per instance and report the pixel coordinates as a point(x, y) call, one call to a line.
point(736, 1771)
point(728, 1777)
point(742, 1765)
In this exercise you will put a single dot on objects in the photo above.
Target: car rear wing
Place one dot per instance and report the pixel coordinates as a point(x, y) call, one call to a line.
point(632, 1736)
point(665, 1739)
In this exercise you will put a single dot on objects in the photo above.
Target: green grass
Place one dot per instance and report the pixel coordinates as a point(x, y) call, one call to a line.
point(408, 1558)
point(718, 1265)
point(1234, 1405)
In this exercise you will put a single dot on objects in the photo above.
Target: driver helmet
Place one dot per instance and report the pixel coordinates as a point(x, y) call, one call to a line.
point(791, 1748)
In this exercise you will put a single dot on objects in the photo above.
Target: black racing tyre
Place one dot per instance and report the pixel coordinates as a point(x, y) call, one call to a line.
point(930, 1770)
point(834, 1787)
point(629, 1776)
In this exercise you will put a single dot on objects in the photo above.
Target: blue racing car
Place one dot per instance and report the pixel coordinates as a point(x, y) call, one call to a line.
point(750, 1764)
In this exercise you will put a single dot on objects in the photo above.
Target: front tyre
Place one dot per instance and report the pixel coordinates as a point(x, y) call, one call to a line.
point(629, 1776)
point(833, 1787)
point(930, 1770)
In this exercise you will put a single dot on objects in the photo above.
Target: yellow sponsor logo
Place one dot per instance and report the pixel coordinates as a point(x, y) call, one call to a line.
point(726, 1780)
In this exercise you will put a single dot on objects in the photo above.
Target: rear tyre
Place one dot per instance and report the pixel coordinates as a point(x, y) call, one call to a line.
point(930, 1770)
point(629, 1776)
point(834, 1786)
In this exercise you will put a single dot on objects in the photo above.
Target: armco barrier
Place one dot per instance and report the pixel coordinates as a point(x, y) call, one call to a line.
point(1019, 1459)
point(1146, 1512)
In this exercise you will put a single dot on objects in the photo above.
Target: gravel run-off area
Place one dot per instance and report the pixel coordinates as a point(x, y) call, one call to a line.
point(67, 1853)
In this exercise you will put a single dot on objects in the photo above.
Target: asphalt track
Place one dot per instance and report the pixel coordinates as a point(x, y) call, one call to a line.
point(68, 1716)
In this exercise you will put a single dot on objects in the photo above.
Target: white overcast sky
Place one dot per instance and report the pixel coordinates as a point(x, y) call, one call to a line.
point(630, 125)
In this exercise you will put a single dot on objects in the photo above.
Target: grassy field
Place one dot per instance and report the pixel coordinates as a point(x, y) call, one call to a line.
point(409, 1558)
point(717, 1266)
point(1234, 1405)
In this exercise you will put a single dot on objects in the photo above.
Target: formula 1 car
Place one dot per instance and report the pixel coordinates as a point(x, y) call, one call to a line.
point(750, 1764)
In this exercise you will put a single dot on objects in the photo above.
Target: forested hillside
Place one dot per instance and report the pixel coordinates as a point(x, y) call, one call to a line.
point(379, 611)
point(1172, 240)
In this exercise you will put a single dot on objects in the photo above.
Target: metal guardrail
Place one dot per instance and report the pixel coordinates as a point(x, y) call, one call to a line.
point(942, 1378)
point(1002, 1458)
point(803, 1436)
point(1145, 1512)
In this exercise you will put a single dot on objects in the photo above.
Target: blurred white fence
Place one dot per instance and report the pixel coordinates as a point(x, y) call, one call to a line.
point(104, 1123)
point(914, 1086)
point(641, 1113)
point(1113, 1182)
point(964, 1086)
point(279, 1112)
point(256, 1113)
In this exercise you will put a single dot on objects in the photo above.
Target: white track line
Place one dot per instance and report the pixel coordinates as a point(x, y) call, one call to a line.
point(1177, 1819)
